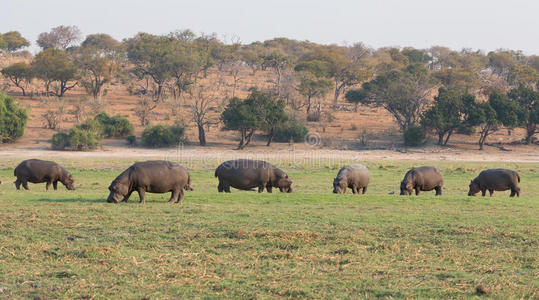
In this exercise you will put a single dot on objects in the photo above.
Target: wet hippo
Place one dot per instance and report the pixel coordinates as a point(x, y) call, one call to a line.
point(157, 176)
point(422, 179)
point(245, 174)
point(38, 171)
point(495, 180)
point(354, 176)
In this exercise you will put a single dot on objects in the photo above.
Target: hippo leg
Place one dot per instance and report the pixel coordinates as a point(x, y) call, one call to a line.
point(48, 185)
point(18, 183)
point(126, 197)
point(55, 185)
point(354, 189)
point(142, 195)
point(438, 190)
point(364, 190)
point(25, 184)
point(180, 197)
point(416, 190)
point(491, 192)
point(261, 188)
point(269, 188)
point(483, 192)
point(174, 196)
point(517, 191)
point(220, 188)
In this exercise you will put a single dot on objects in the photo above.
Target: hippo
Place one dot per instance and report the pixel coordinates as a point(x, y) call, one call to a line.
point(354, 176)
point(422, 179)
point(156, 176)
point(246, 174)
point(38, 171)
point(495, 180)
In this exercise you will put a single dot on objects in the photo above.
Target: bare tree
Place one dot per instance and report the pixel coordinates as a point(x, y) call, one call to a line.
point(55, 115)
point(145, 109)
point(60, 37)
point(204, 99)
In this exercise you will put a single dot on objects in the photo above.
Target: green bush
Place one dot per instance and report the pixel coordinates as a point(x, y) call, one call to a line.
point(414, 136)
point(116, 126)
point(163, 135)
point(292, 131)
point(86, 136)
point(12, 119)
point(131, 140)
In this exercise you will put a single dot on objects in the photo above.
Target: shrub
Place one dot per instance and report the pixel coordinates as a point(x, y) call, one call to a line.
point(116, 126)
point(163, 135)
point(293, 131)
point(85, 136)
point(12, 119)
point(414, 136)
point(131, 140)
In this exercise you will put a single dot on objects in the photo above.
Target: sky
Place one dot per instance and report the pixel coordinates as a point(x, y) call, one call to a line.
point(476, 24)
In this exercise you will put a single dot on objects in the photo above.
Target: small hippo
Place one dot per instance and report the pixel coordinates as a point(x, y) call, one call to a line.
point(354, 176)
point(38, 171)
point(246, 174)
point(157, 176)
point(422, 179)
point(495, 180)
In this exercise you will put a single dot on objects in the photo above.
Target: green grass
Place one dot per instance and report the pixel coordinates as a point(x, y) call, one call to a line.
point(310, 244)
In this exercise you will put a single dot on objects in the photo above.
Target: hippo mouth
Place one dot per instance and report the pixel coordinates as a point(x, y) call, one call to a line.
point(113, 199)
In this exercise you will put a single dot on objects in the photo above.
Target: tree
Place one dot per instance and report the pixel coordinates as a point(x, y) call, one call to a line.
point(458, 79)
point(269, 110)
point(313, 87)
point(53, 65)
point(278, 62)
point(60, 37)
point(12, 119)
point(238, 115)
point(416, 56)
point(20, 74)
point(498, 110)
point(99, 58)
point(403, 93)
point(446, 115)
point(3, 44)
point(522, 75)
point(153, 58)
point(528, 102)
point(14, 41)
point(203, 101)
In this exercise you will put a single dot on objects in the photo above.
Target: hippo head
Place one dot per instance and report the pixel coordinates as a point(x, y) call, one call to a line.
point(284, 184)
point(474, 188)
point(188, 187)
point(68, 182)
point(339, 186)
point(118, 191)
point(406, 188)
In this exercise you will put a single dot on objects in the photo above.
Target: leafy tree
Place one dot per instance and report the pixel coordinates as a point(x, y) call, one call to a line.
point(12, 119)
point(446, 115)
point(163, 135)
point(501, 62)
point(99, 58)
point(523, 74)
point(60, 37)
point(498, 110)
point(259, 110)
point(3, 44)
point(116, 126)
point(153, 58)
point(528, 102)
point(85, 136)
point(53, 65)
point(14, 41)
point(291, 131)
point(416, 56)
point(313, 87)
point(462, 80)
point(403, 93)
point(276, 61)
point(20, 74)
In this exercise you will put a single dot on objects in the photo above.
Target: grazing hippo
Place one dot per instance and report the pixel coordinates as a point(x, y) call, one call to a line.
point(246, 174)
point(38, 171)
point(157, 176)
point(354, 176)
point(422, 179)
point(495, 180)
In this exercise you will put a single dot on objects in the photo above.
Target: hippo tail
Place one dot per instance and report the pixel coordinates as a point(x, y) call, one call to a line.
point(216, 172)
point(188, 187)
point(518, 176)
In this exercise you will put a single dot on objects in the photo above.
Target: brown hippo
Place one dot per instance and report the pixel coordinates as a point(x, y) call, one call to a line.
point(246, 174)
point(354, 176)
point(38, 171)
point(422, 179)
point(157, 176)
point(495, 180)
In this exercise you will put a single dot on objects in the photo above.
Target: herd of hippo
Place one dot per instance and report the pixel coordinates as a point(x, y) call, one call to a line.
point(244, 174)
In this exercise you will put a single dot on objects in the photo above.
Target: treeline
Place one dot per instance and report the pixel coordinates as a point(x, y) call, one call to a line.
point(435, 90)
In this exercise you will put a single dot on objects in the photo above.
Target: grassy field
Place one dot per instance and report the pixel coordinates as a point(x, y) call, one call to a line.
point(310, 244)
